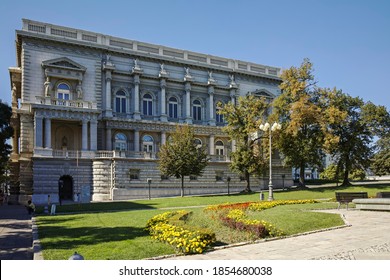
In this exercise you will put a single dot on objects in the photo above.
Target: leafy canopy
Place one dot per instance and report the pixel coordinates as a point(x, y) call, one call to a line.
point(180, 156)
point(243, 120)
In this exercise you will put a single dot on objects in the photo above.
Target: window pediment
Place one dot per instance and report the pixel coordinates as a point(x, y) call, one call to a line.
point(63, 67)
point(263, 93)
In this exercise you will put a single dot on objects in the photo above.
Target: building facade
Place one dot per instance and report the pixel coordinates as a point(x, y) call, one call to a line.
point(90, 112)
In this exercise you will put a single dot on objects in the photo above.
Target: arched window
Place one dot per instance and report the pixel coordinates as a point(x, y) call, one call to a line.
point(147, 143)
point(198, 143)
point(63, 91)
point(218, 115)
point(197, 110)
point(120, 102)
point(148, 105)
point(172, 107)
point(219, 148)
point(120, 142)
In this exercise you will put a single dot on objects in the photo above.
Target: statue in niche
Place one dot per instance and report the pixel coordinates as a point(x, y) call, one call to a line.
point(79, 91)
point(47, 85)
point(64, 143)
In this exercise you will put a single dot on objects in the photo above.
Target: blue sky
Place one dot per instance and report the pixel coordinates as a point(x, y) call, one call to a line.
point(347, 41)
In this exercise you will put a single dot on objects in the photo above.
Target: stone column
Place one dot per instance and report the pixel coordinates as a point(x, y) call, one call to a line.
point(163, 137)
point(211, 105)
point(233, 95)
point(188, 102)
point(211, 144)
point(163, 117)
point(108, 139)
point(38, 132)
point(136, 141)
point(233, 145)
point(84, 135)
point(108, 94)
point(137, 114)
point(93, 135)
point(48, 133)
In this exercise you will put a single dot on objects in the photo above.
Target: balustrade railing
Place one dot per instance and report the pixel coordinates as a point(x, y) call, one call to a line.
point(66, 103)
point(74, 154)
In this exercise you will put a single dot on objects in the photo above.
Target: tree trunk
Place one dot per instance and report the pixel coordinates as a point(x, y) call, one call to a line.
point(302, 175)
point(346, 181)
point(182, 187)
point(248, 184)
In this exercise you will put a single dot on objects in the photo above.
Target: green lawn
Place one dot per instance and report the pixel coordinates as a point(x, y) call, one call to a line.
point(115, 230)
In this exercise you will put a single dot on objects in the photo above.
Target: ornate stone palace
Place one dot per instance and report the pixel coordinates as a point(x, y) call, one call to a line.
point(91, 110)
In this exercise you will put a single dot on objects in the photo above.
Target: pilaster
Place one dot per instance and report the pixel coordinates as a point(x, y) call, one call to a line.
point(84, 135)
point(188, 102)
point(137, 113)
point(211, 105)
point(38, 143)
point(136, 140)
point(163, 116)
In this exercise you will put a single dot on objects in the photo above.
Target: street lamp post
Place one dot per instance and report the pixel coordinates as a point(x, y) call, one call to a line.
point(267, 127)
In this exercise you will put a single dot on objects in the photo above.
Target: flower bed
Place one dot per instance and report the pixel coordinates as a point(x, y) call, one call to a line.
point(234, 216)
point(184, 240)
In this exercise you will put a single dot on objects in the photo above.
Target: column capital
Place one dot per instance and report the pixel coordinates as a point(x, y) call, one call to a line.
point(210, 90)
point(108, 76)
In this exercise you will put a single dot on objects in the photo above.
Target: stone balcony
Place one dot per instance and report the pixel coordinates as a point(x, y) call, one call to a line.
point(101, 154)
point(81, 104)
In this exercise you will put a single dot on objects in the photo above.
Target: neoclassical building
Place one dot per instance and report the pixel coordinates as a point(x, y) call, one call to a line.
point(90, 112)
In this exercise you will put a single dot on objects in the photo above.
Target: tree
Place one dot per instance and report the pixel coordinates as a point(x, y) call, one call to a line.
point(298, 110)
point(243, 120)
point(6, 132)
point(330, 172)
point(181, 156)
point(352, 134)
point(380, 164)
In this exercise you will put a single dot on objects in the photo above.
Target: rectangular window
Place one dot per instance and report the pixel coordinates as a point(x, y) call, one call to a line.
point(147, 107)
point(134, 174)
point(219, 176)
point(173, 111)
point(219, 118)
point(196, 113)
point(193, 178)
point(123, 105)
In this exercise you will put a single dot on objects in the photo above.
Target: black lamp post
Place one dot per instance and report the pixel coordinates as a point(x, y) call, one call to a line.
point(228, 181)
point(149, 180)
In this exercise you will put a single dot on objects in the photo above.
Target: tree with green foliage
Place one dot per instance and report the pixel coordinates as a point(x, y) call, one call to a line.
point(6, 132)
point(243, 120)
point(380, 164)
point(181, 156)
point(330, 173)
point(352, 125)
point(299, 111)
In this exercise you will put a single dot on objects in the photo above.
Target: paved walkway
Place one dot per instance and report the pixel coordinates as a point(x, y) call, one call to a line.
point(368, 238)
point(15, 233)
